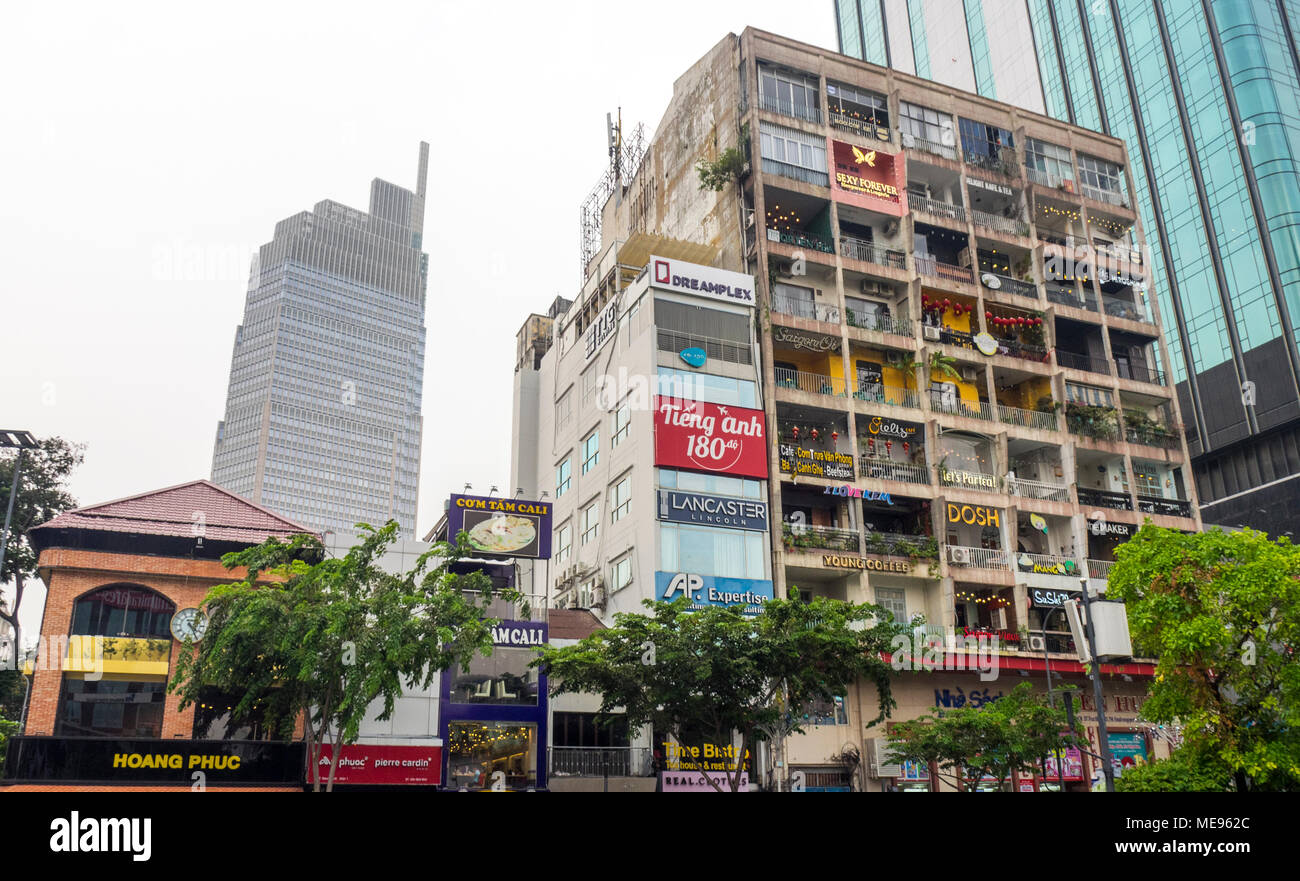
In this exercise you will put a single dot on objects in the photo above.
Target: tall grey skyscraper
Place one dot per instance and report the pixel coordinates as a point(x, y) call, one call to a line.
point(1206, 93)
point(323, 417)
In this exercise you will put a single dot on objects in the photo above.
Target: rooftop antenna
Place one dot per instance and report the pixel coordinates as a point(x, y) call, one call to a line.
point(468, 487)
point(492, 491)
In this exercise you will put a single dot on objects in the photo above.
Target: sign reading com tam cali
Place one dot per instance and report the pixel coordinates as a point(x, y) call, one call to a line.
point(502, 527)
point(698, 436)
point(701, 281)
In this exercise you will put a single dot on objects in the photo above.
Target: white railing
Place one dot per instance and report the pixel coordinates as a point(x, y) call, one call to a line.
point(886, 394)
point(1028, 418)
point(1100, 568)
point(931, 266)
point(817, 383)
point(979, 558)
point(870, 252)
point(936, 207)
point(1009, 225)
point(1037, 489)
point(886, 469)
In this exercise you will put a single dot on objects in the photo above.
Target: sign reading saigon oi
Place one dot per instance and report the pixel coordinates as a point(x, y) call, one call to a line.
point(698, 436)
point(701, 281)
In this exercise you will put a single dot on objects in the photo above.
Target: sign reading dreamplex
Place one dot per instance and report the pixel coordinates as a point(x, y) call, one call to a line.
point(683, 507)
point(701, 281)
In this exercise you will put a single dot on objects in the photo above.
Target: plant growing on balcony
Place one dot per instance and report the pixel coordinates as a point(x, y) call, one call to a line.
point(1045, 404)
point(1143, 428)
point(718, 174)
point(1101, 423)
point(943, 367)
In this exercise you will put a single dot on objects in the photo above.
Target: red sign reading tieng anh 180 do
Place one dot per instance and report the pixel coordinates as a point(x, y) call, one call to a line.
point(710, 437)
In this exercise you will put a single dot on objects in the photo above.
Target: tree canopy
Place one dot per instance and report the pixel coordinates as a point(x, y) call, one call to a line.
point(323, 640)
point(734, 678)
point(1221, 613)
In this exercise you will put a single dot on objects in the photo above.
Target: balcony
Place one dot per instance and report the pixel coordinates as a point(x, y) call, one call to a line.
point(1065, 295)
point(1043, 179)
point(875, 321)
point(869, 252)
point(1024, 351)
point(822, 538)
point(805, 309)
point(815, 383)
point(897, 544)
point(880, 393)
point(932, 267)
point(600, 761)
point(1100, 569)
point(1005, 162)
point(1013, 286)
point(915, 142)
point(1096, 422)
point(959, 407)
point(1075, 361)
point(1167, 507)
point(1110, 197)
point(1010, 226)
point(1139, 372)
point(1028, 418)
point(786, 107)
point(887, 469)
point(1118, 307)
point(855, 122)
point(1151, 434)
point(806, 240)
point(1100, 498)
point(1047, 564)
point(1037, 489)
point(977, 558)
point(796, 172)
point(716, 349)
point(936, 208)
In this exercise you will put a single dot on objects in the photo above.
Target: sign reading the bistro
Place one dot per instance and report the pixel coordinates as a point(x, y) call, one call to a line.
point(882, 427)
point(686, 507)
point(865, 172)
point(502, 527)
point(701, 281)
point(838, 561)
point(117, 760)
point(601, 330)
point(812, 342)
point(698, 436)
point(816, 463)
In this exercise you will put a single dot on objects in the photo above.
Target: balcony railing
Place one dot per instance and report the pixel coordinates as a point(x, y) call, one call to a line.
point(1013, 286)
point(1100, 569)
point(931, 266)
point(1068, 296)
point(1037, 489)
point(816, 383)
point(915, 142)
point(936, 207)
point(959, 407)
point(1139, 372)
point(1004, 162)
point(1025, 351)
point(887, 469)
point(1100, 498)
point(866, 126)
point(1110, 197)
point(886, 394)
point(716, 349)
point(806, 240)
point(774, 104)
point(825, 538)
point(870, 252)
point(600, 761)
point(1152, 435)
point(796, 172)
point(1028, 418)
point(876, 321)
point(979, 558)
point(1075, 361)
point(1168, 507)
point(1011, 226)
point(805, 309)
point(898, 544)
point(1043, 179)
point(1118, 307)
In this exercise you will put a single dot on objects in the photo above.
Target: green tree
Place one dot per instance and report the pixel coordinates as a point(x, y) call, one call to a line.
point(42, 495)
point(725, 675)
point(1188, 770)
point(718, 173)
point(1221, 613)
point(1016, 732)
point(323, 640)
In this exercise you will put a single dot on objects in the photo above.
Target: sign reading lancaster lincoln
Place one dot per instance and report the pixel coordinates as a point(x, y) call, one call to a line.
point(701, 281)
point(698, 436)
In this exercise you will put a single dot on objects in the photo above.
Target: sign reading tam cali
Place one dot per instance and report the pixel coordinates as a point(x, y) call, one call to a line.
point(701, 281)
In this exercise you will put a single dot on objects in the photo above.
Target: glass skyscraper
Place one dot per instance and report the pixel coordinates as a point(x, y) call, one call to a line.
point(323, 418)
point(1206, 93)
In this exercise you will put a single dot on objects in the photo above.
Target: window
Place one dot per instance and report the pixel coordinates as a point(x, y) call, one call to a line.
point(825, 712)
point(123, 610)
point(590, 523)
point(926, 124)
point(620, 499)
point(591, 451)
point(563, 543)
point(788, 92)
point(622, 421)
point(1087, 394)
point(563, 477)
point(893, 600)
point(1050, 161)
point(589, 383)
point(792, 147)
point(586, 729)
point(621, 574)
point(477, 750)
point(713, 484)
point(110, 708)
point(564, 409)
point(707, 387)
point(1100, 180)
point(502, 677)
point(858, 110)
point(704, 550)
point(984, 144)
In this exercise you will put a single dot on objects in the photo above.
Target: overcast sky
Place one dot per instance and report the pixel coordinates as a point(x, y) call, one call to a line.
point(149, 150)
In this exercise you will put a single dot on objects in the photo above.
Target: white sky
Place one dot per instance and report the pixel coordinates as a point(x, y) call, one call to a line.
point(148, 151)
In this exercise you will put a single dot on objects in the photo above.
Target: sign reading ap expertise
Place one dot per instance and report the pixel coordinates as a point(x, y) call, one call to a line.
point(710, 590)
point(698, 436)
point(681, 277)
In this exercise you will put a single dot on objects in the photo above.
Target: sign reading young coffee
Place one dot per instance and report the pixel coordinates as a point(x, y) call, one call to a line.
point(367, 764)
point(698, 436)
point(701, 281)
point(839, 561)
point(709, 590)
point(116, 760)
point(870, 175)
point(685, 507)
point(502, 527)
point(816, 463)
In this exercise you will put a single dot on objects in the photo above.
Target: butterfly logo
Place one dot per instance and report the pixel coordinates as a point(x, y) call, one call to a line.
point(860, 157)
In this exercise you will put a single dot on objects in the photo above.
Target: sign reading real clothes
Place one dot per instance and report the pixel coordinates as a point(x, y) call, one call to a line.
point(698, 436)
point(696, 781)
point(685, 507)
point(368, 764)
point(502, 527)
point(116, 760)
point(816, 463)
point(709, 590)
point(701, 281)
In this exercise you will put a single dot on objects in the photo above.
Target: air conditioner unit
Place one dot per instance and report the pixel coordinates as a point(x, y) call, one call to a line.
point(749, 219)
point(1037, 643)
point(969, 374)
point(878, 751)
point(964, 258)
point(909, 139)
point(872, 287)
point(930, 332)
point(959, 555)
point(891, 229)
point(783, 267)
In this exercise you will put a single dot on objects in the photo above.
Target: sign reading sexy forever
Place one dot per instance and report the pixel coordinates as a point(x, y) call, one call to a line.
point(708, 437)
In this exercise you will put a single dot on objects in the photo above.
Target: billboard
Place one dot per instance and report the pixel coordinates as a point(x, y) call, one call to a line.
point(681, 277)
point(364, 763)
point(869, 178)
point(697, 436)
point(706, 510)
point(502, 527)
point(710, 590)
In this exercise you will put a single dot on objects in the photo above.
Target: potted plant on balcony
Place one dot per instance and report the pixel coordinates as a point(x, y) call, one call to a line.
point(1101, 423)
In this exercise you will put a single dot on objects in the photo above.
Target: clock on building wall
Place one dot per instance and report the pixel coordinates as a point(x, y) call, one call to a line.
point(189, 624)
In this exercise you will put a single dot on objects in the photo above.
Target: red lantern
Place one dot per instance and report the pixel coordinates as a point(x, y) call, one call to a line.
point(835, 435)
point(795, 431)
point(988, 314)
point(906, 447)
point(889, 446)
point(814, 434)
point(1038, 322)
point(946, 302)
point(871, 445)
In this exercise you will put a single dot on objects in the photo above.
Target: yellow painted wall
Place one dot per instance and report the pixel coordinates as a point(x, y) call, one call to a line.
point(956, 322)
point(822, 363)
point(890, 375)
point(1026, 395)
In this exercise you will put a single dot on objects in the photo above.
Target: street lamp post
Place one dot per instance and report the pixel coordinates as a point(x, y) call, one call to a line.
point(23, 441)
point(1103, 740)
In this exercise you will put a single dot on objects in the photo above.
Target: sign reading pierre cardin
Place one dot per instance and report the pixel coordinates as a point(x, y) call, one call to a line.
point(701, 281)
point(684, 507)
point(111, 759)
